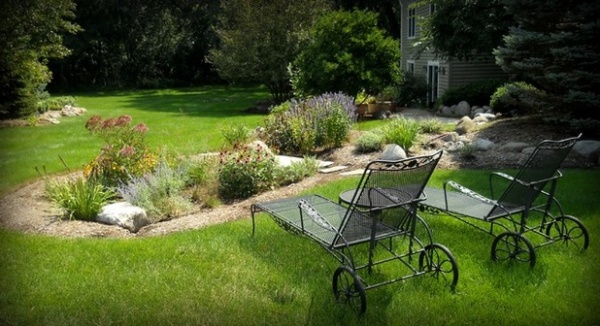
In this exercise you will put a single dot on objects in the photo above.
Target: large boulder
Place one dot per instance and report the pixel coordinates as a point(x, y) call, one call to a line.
point(482, 144)
point(464, 125)
point(393, 152)
point(125, 215)
point(463, 108)
point(590, 149)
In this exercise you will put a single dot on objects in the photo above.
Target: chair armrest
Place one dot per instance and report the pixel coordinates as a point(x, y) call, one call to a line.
point(467, 192)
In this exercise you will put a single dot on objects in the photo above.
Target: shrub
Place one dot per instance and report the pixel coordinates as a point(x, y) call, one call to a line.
point(245, 171)
point(297, 171)
point(402, 132)
point(158, 192)
point(431, 126)
point(411, 90)
point(55, 103)
point(325, 121)
point(369, 142)
point(475, 93)
point(78, 198)
point(236, 134)
point(124, 154)
point(516, 97)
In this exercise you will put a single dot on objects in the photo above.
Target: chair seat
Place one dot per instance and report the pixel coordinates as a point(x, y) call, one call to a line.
point(462, 204)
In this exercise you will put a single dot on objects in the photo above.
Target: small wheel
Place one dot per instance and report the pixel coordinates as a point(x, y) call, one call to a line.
point(513, 246)
point(570, 230)
point(348, 288)
point(438, 260)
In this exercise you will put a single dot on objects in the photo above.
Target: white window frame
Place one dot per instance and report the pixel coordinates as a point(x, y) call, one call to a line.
point(412, 22)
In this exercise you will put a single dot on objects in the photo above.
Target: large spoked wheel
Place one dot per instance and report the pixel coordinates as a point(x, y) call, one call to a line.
point(348, 289)
point(513, 246)
point(438, 260)
point(570, 231)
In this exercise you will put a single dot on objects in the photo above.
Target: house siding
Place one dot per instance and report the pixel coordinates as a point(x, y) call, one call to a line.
point(453, 72)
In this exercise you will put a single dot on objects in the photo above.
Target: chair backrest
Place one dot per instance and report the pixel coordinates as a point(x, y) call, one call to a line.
point(392, 184)
point(541, 166)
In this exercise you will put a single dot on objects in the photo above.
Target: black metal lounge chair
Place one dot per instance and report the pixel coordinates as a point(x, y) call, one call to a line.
point(523, 207)
point(382, 214)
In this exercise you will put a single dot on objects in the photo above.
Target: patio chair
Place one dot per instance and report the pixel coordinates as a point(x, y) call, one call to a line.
point(381, 215)
point(523, 207)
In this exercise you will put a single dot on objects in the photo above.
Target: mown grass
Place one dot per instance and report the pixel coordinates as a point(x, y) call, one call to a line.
point(221, 275)
point(183, 121)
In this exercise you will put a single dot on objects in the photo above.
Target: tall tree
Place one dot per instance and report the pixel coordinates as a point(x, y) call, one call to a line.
point(258, 39)
point(464, 29)
point(347, 53)
point(388, 10)
point(31, 32)
point(553, 44)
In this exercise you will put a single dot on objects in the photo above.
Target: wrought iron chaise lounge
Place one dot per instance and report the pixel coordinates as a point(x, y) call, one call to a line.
point(527, 205)
point(381, 215)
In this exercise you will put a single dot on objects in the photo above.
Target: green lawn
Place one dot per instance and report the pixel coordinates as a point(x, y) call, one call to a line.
point(184, 120)
point(221, 275)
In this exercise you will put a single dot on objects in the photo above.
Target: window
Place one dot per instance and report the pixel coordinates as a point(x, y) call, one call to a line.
point(431, 9)
point(410, 67)
point(412, 26)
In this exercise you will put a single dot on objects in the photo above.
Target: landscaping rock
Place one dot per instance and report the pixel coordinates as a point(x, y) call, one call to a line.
point(72, 111)
point(465, 125)
point(393, 152)
point(513, 147)
point(463, 108)
point(260, 145)
point(482, 144)
point(586, 147)
point(125, 215)
point(446, 111)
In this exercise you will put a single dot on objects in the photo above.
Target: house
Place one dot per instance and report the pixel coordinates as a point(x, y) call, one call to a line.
point(441, 74)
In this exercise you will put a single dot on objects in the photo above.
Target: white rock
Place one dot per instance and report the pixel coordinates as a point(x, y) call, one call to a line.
point(393, 152)
point(516, 147)
point(125, 215)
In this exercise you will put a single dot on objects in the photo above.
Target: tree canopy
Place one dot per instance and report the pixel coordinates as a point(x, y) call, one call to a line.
point(347, 53)
point(553, 45)
point(258, 39)
point(30, 34)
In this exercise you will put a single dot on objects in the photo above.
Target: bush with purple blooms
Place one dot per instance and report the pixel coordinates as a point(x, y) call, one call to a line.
point(303, 126)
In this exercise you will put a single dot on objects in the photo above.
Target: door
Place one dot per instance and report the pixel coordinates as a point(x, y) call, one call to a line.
point(432, 82)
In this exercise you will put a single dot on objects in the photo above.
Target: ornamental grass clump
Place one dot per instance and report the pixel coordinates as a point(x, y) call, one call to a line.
point(124, 154)
point(402, 132)
point(78, 198)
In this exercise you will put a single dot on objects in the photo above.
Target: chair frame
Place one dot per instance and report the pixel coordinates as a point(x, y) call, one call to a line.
point(339, 229)
point(523, 208)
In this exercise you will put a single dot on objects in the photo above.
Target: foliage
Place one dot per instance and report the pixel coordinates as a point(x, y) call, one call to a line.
point(31, 32)
point(518, 97)
point(296, 171)
point(235, 135)
point(411, 90)
point(431, 126)
point(124, 154)
point(369, 141)
point(158, 192)
point(163, 45)
point(325, 120)
point(258, 39)
point(475, 93)
point(245, 171)
point(464, 29)
point(78, 198)
point(555, 49)
point(402, 132)
point(55, 103)
point(347, 53)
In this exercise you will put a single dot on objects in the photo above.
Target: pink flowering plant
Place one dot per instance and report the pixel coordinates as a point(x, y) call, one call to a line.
point(124, 153)
point(245, 171)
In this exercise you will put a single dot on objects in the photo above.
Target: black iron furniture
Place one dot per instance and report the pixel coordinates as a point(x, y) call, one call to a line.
point(525, 206)
point(386, 220)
